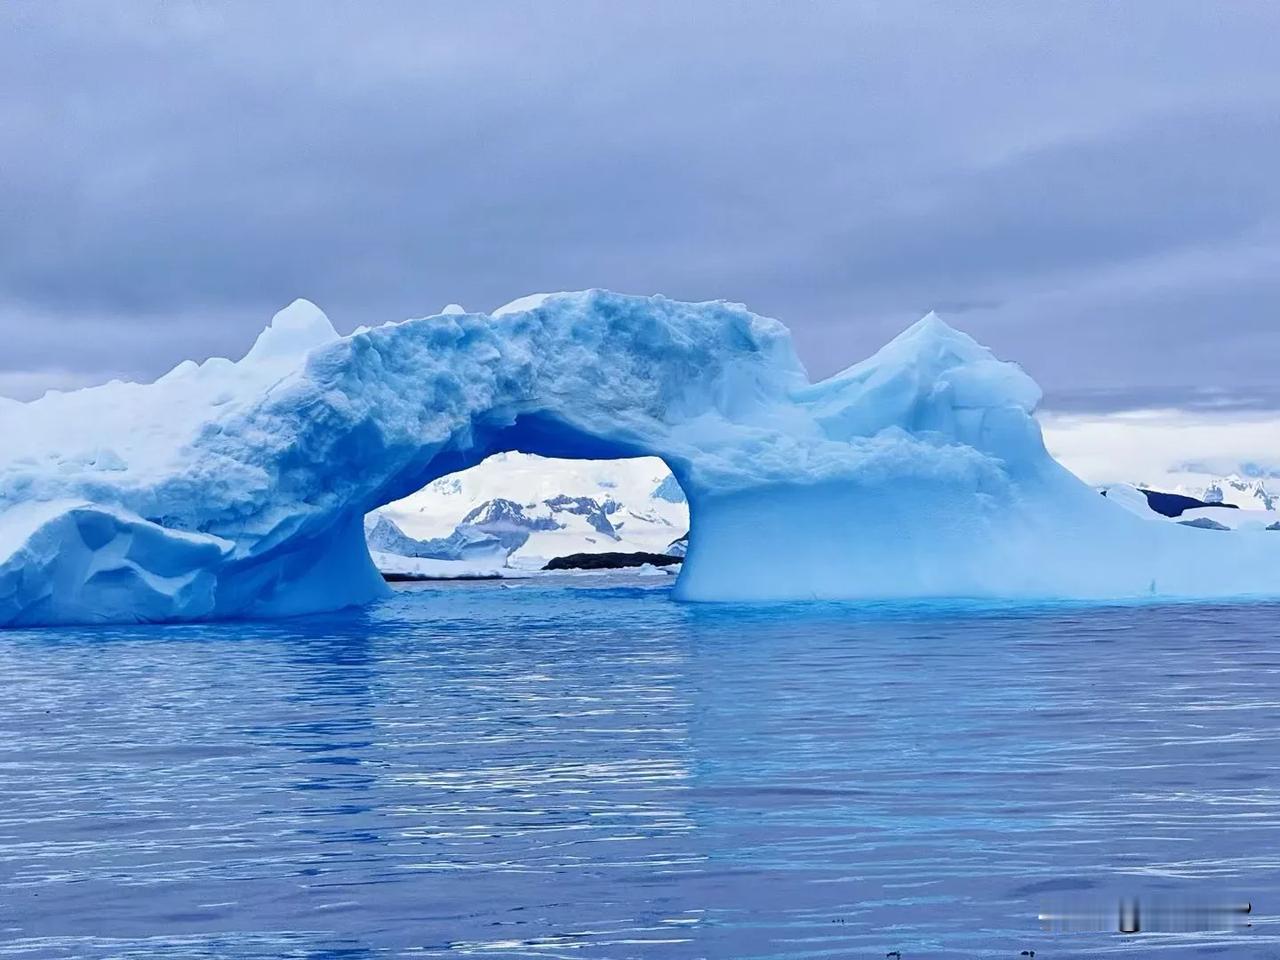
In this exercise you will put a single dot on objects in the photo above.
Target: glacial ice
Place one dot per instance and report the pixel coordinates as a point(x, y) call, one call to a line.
point(240, 489)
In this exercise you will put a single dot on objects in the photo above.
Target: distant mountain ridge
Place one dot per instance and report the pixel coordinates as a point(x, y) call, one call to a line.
point(1249, 494)
point(1227, 503)
point(533, 510)
point(1176, 504)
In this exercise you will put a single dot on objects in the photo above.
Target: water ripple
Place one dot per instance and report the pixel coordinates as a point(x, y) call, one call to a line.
point(582, 769)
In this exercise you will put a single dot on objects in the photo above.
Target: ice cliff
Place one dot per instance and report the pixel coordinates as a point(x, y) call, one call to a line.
point(240, 489)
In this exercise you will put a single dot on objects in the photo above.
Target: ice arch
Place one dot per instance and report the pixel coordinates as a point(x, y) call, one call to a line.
point(238, 489)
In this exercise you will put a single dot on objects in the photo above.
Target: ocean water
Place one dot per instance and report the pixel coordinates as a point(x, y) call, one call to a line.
point(582, 767)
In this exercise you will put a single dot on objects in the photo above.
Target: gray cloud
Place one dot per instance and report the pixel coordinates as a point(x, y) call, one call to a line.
point(1088, 186)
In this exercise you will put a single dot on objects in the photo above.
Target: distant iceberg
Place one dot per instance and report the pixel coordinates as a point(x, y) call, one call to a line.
point(240, 489)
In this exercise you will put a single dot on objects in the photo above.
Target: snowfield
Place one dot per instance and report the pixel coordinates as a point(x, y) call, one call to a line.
point(241, 489)
point(535, 509)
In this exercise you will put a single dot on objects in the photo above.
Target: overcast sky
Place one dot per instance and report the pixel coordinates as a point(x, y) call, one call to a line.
point(1092, 188)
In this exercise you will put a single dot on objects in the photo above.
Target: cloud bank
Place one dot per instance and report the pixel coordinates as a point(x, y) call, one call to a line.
point(1087, 187)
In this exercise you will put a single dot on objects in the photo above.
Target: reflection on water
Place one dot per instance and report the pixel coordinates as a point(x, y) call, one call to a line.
point(585, 769)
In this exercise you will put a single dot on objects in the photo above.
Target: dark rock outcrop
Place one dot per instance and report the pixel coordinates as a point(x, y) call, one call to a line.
point(610, 561)
point(1204, 523)
point(596, 514)
point(1175, 504)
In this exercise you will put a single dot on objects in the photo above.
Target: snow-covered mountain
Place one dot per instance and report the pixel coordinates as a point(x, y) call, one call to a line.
point(1245, 493)
point(1225, 503)
point(535, 509)
point(465, 543)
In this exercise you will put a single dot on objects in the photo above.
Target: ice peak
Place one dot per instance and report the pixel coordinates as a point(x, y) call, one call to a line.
point(521, 304)
point(935, 378)
point(930, 345)
point(932, 328)
point(301, 314)
point(295, 330)
point(932, 322)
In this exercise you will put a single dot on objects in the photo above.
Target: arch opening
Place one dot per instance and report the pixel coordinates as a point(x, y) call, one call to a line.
point(516, 513)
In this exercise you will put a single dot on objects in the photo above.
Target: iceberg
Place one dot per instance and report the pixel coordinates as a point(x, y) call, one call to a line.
point(239, 489)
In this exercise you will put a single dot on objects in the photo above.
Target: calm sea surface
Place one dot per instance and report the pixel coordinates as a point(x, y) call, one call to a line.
point(584, 768)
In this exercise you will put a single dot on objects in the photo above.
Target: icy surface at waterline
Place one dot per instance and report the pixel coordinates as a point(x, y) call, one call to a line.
point(239, 489)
